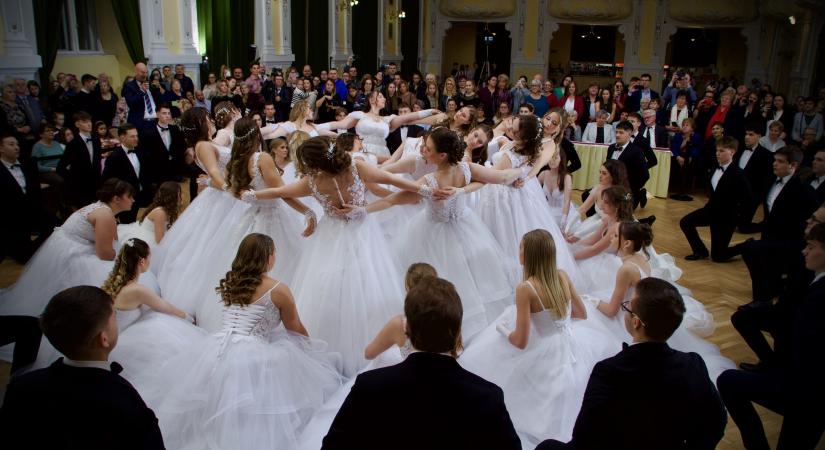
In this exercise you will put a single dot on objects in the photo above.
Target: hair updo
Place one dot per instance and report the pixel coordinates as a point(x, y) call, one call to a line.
point(447, 141)
point(640, 234)
point(224, 112)
point(114, 187)
point(620, 198)
point(319, 155)
point(529, 132)
point(194, 122)
point(126, 265)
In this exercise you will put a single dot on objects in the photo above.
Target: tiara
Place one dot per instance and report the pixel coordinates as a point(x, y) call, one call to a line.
point(130, 243)
point(539, 130)
point(187, 129)
point(331, 150)
point(248, 134)
point(221, 111)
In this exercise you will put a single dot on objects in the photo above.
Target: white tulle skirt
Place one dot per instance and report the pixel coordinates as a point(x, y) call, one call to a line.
point(544, 383)
point(144, 231)
point(251, 394)
point(347, 286)
point(464, 252)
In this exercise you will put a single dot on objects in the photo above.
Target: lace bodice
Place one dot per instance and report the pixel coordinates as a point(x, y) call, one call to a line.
point(224, 154)
point(258, 319)
point(516, 161)
point(371, 131)
point(453, 208)
point(554, 195)
point(78, 225)
point(357, 191)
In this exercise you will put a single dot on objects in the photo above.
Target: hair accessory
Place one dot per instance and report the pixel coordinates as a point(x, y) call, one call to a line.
point(248, 134)
point(627, 197)
point(540, 130)
point(331, 150)
point(223, 110)
point(130, 243)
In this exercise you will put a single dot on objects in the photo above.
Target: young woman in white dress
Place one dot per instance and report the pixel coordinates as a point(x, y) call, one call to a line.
point(157, 218)
point(538, 351)
point(604, 305)
point(300, 119)
point(510, 212)
point(558, 188)
point(254, 384)
point(611, 173)
point(226, 114)
point(347, 281)
point(451, 237)
point(80, 252)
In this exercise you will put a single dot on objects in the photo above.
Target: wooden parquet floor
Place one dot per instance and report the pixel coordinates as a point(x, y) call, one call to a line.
point(720, 287)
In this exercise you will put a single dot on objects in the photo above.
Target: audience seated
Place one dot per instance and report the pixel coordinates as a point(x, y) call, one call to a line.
point(599, 132)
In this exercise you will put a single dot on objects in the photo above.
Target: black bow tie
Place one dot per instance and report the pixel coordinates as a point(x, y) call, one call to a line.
point(270, 121)
point(87, 140)
point(15, 165)
point(163, 129)
point(116, 368)
point(721, 168)
point(779, 181)
point(130, 151)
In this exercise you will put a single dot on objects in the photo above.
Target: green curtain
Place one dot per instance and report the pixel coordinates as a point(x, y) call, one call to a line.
point(228, 29)
point(127, 14)
point(47, 27)
point(241, 32)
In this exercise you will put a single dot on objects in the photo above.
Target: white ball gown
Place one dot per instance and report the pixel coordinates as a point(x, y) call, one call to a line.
point(451, 237)
point(253, 385)
point(143, 230)
point(373, 132)
point(347, 283)
point(683, 339)
point(65, 260)
point(273, 218)
point(290, 176)
point(544, 383)
point(583, 228)
point(509, 213)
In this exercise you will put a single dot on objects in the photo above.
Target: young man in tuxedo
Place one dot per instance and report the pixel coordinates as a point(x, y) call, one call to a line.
point(396, 138)
point(133, 165)
point(757, 162)
point(165, 147)
point(23, 204)
point(730, 196)
point(80, 401)
point(792, 386)
point(649, 396)
point(80, 164)
point(787, 205)
point(447, 406)
point(817, 176)
point(626, 151)
point(637, 138)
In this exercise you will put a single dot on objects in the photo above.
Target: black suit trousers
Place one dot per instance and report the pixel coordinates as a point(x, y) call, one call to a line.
point(767, 260)
point(752, 321)
point(720, 234)
point(24, 331)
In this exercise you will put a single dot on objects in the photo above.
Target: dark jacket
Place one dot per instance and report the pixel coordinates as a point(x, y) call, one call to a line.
point(119, 166)
point(167, 163)
point(634, 160)
point(732, 197)
point(759, 170)
point(792, 207)
point(82, 174)
point(394, 138)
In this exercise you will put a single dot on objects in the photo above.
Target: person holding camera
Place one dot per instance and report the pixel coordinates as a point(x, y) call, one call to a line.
point(680, 81)
point(327, 103)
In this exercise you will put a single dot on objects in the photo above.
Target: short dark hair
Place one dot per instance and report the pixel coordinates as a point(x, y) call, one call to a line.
point(728, 142)
point(529, 106)
point(434, 312)
point(87, 77)
point(791, 153)
point(123, 129)
point(682, 93)
point(625, 125)
point(74, 317)
point(164, 105)
point(647, 75)
point(635, 115)
point(817, 234)
point(660, 306)
point(82, 116)
point(754, 127)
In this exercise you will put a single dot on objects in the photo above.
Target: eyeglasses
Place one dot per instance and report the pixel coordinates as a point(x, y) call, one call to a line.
point(626, 307)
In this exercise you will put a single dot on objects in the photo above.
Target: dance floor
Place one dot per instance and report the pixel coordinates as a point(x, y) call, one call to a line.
point(721, 287)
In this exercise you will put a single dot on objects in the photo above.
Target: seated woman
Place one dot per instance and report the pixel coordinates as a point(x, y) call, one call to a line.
point(157, 218)
point(611, 173)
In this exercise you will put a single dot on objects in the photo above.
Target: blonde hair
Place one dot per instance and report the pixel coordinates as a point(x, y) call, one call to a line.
point(455, 87)
point(294, 143)
point(126, 266)
point(300, 111)
point(417, 272)
point(540, 264)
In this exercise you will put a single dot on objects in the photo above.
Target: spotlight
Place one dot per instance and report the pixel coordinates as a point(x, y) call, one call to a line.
point(792, 20)
point(402, 15)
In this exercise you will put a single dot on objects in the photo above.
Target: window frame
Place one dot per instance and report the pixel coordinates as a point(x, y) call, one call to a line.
point(71, 23)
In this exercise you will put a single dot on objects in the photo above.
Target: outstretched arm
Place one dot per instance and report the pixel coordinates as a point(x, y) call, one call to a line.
point(372, 174)
point(273, 179)
point(297, 189)
point(398, 198)
point(403, 165)
point(624, 279)
point(150, 299)
point(493, 176)
point(413, 117)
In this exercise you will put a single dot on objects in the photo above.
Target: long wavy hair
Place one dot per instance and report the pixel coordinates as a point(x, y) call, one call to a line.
point(247, 142)
point(640, 234)
point(294, 142)
point(126, 265)
point(194, 123)
point(463, 129)
point(168, 198)
point(620, 198)
point(540, 264)
point(248, 268)
point(530, 136)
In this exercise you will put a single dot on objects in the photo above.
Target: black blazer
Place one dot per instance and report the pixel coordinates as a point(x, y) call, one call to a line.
point(732, 197)
point(136, 102)
point(644, 143)
point(394, 138)
point(759, 170)
point(574, 163)
point(445, 405)
point(23, 205)
point(82, 175)
point(820, 191)
point(650, 383)
point(634, 160)
point(85, 408)
point(119, 166)
point(659, 132)
point(792, 207)
point(166, 163)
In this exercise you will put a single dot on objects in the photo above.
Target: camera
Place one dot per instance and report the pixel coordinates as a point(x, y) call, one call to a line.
point(488, 37)
point(680, 74)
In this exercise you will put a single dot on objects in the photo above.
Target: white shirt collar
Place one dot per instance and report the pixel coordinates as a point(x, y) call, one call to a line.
point(725, 166)
point(85, 136)
point(786, 178)
point(87, 364)
point(817, 277)
point(9, 164)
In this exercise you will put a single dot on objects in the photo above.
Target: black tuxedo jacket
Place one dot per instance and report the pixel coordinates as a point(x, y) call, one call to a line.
point(820, 191)
point(730, 201)
point(650, 383)
point(445, 405)
point(634, 160)
point(792, 207)
point(13, 200)
point(759, 170)
point(807, 358)
point(166, 162)
point(394, 138)
point(82, 175)
point(119, 166)
point(650, 156)
point(574, 163)
point(81, 408)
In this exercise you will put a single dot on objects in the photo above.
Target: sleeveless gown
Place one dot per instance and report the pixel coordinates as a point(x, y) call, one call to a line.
point(252, 385)
point(452, 238)
point(347, 283)
point(144, 230)
point(544, 383)
point(373, 133)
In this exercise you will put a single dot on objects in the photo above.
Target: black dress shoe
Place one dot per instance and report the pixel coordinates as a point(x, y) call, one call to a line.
point(643, 199)
point(695, 257)
point(753, 367)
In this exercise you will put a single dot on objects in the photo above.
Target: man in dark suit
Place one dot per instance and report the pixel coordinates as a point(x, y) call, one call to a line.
point(793, 386)
point(653, 133)
point(633, 158)
point(86, 100)
point(642, 91)
point(280, 95)
point(816, 178)
point(132, 164)
point(165, 147)
point(397, 136)
point(730, 195)
point(787, 204)
point(447, 406)
point(80, 164)
point(23, 204)
point(757, 162)
point(649, 396)
point(80, 399)
point(142, 105)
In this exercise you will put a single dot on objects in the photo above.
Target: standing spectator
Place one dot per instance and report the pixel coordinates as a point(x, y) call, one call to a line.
point(591, 105)
point(489, 95)
point(678, 113)
point(570, 101)
point(606, 103)
point(28, 103)
point(81, 163)
point(210, 89)
point(562, 88)
point(173, 97)
point(237, 75)
point(167, 77)
point(686, 147)
point(16, 121)
point(255, 79)
point(86, 100)
point(547, 89)
point(281, 97)
point(619, 96)
point(679, 83)
point(142, 107)
point(417, 86)
point(780, 113)
point(327, 103)
point(106, 104)
point(448, 92)
point(537, 99)
point(643, 92)
point(518, 93)
point(340, 86)
point(202, 102)
point(807, 117)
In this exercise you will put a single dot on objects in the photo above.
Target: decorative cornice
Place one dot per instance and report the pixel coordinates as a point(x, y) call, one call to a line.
point(477, 9)
point(592, 11)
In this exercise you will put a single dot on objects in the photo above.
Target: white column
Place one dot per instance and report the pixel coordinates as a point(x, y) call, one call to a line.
point(190, 57)
point(20, 59)
point(431, 56)
point(263, 32)
point(340, 22)
point(802, 70)
point(155, 44)
point(286, 57)
point(388, 16)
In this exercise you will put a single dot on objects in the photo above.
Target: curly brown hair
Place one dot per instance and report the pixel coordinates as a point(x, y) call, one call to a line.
point(126, 265)
point(620, 198)
point(447, 141)
point(223, 114)
point(319, 155)
point(247, 142)
point(248, 268)
point(168, 198)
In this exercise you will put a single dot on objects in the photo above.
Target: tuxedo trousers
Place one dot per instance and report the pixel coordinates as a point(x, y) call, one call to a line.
point(721, 233)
